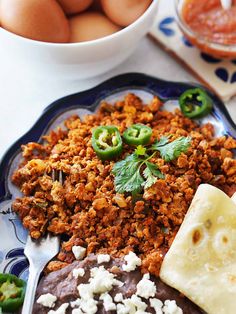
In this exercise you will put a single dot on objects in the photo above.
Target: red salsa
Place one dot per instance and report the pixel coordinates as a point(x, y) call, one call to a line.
point(208, 19)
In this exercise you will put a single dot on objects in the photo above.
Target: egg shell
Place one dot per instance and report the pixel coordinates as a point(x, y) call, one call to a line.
point(89, 26)
point(74, 6)
point(124, 12)
point(42, 20)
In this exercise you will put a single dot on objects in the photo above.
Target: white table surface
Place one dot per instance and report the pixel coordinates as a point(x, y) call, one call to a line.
point(23, 98)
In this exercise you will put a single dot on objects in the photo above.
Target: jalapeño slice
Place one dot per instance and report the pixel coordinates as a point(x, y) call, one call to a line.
point(12, 292)
point(137, 134)
point(107, 142)
point(195, 103)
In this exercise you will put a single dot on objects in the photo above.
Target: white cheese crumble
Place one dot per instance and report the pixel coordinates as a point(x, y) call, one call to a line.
point(47, 300)
point(118, 297)
point(89, 306)
point(78, 272)
point(132, 305)
point(85, 291)
point(126, 308)
point(60, 310)
point(171, 307)
point(107, 302)
point(102, 280)
point(78, 251)
point(157, 305)
point(122, 309)
point(146, 288)
point(103, 258)
point(118, 283)
point(132, 262)
point(140, 305)
point(86, 304)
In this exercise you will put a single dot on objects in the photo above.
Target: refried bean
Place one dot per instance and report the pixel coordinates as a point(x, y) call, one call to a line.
point(87, 211)
point(63, 285)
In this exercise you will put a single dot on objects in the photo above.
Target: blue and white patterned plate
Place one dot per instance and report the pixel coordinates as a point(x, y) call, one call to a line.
point(12, 234)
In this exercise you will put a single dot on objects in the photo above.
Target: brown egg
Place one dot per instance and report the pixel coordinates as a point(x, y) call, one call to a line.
point(89, 26)
point(74, 6)
point(42, 20)
point(124, 12)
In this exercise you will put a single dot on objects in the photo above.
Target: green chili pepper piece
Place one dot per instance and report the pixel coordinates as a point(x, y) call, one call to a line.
point(195, 103)
point(12, 292)
point(137, 134)
point(107, 142)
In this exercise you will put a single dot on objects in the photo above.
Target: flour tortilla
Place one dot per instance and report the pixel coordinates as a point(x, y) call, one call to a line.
point(201, 262)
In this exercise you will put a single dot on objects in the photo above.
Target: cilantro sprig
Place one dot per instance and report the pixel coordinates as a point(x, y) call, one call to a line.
point(172, 150)
point(136, 172)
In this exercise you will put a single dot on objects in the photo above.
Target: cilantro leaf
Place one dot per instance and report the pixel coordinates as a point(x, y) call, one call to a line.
point(127, 175)
point(130, 163)
point(131, 182)
point(154, 170)
point(151, 173)
point(163, 141)
point(136, 172)
point(150, 179)
point(172, 150)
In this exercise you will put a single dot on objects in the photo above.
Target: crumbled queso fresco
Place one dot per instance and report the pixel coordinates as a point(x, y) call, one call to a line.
point(47, 300)
point(101, 282)
point(78, 272)
point(103, 258)
point(132, 262)
point(79, 252)
point(60, 310)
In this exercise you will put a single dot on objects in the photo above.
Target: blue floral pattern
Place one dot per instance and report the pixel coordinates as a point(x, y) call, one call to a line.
point(17, 264)
point(233, 78)
point(12, 258)
point(167, 26)
point(19, 231)
point(186, 42)
point(222, 74)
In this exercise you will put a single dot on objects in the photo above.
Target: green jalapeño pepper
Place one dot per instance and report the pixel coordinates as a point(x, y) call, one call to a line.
point(195, 103)
point(12, 292)
point(137, 134)
point(107, 142)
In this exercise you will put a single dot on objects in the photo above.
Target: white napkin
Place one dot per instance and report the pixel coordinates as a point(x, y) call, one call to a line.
point(218, 74)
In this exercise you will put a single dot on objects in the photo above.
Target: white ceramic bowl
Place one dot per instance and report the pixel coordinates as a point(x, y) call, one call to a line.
point(77, 60)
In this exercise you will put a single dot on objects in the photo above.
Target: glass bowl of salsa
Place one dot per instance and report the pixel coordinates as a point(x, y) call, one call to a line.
point(208, 26)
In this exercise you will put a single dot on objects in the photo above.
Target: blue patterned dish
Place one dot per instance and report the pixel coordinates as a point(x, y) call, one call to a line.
point(12, 234)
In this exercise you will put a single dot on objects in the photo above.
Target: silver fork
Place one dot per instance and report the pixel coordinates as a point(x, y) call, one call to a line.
point(39, 253)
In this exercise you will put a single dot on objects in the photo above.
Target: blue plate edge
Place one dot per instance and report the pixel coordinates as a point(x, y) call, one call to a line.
point(110, 85)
